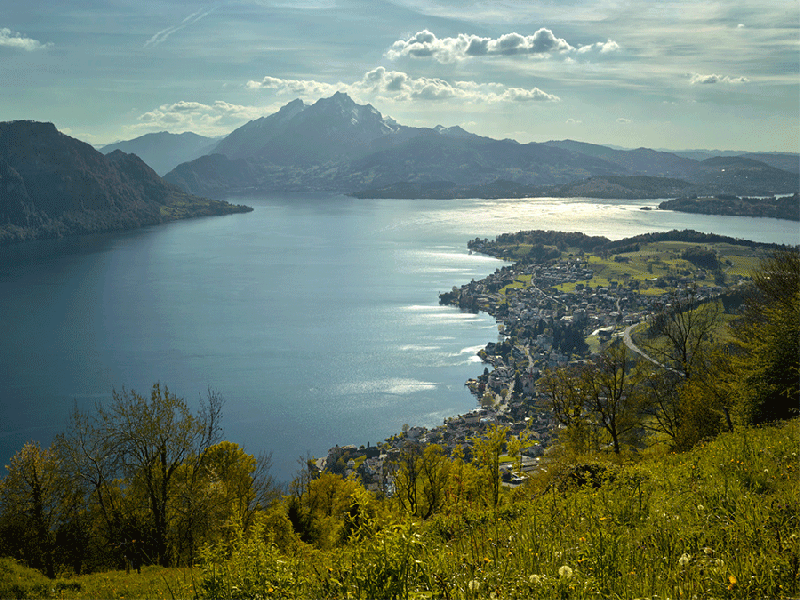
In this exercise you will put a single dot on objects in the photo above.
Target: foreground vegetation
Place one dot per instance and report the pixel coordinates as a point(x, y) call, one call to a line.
point(720, 521)
point(675, 480)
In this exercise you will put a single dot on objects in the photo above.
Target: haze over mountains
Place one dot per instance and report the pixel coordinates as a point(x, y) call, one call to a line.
point(338, 145)
point(164, 151)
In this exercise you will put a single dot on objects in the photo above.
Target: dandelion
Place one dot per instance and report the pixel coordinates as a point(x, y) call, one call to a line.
point(534, 579)
point(684, 559)
point(565, 572)
point(731, 582)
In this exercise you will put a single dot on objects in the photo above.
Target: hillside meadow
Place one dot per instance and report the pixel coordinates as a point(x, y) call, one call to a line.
point(719, 521)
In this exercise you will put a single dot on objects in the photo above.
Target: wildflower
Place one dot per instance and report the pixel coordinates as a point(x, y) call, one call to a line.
point(700, 507)
point(731, 582)
point(534, 579)
point(474, 585)
point(708, 550)
point(684, 559)
point(565, 572)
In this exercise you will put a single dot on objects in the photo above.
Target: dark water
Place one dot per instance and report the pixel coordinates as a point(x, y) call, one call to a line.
point(316, 317)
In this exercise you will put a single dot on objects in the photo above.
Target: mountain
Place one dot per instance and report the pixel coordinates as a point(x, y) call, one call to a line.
point(338, 145)
point(53, 185)
point(754, 174)
point(164, 151)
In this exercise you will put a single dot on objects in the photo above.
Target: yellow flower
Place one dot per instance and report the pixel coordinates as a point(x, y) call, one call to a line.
point(731, 582)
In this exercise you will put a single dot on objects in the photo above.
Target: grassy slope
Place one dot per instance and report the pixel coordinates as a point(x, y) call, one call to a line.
point(720, 521)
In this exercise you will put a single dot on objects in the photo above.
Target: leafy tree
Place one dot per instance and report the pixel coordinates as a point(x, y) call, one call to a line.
point(406, 477)
point(222, 487)
point(488, 449)
point(767, 340)
point(434, 469)
point(35, 499)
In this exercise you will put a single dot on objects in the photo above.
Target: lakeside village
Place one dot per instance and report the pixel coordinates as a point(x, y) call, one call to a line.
point(541, 328)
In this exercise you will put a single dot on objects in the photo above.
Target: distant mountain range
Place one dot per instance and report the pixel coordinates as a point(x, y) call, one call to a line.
point(53, 185)
point(164, 151)
point(338, 145)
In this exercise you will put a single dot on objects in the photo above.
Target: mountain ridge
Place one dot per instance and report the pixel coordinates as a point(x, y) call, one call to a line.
point(52, 185)
point(340, 146)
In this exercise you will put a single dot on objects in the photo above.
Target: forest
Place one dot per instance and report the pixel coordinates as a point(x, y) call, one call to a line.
point(675, 477)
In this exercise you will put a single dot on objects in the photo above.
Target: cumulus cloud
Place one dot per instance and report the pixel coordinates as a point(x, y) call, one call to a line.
point(401, 87)
point(714, 78)
point(425, 44)
point(601, 47)
point(206, 119)
point(12, 39)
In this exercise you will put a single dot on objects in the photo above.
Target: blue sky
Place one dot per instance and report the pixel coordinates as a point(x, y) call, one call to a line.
point(675, 74)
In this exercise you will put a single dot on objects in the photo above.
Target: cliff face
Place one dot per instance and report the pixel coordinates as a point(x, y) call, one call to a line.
point(53, 185)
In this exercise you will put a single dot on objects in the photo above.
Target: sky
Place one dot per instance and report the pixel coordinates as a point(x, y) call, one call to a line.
point(673, 74)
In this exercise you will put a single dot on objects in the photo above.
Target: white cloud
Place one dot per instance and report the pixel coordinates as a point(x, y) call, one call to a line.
point(12, 39)
point(714, 78)
point(425, 44)
point(401, 87)
point(298, 87)
point(214, 119)
point(573, 121)
point(601, 47)
point(623, 121)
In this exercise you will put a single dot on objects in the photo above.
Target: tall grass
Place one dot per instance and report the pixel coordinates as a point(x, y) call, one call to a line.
point(720, 521)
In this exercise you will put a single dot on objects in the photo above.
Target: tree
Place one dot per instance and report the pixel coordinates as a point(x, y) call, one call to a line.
point(610, 393)
point(488, 449)
point(661, 401)
point(767, 341)
point(221, 488)
point(434, 468)
point(681, 333)
point(564, 390)
point(406, 475)
point(144, 443)
point(34, 501)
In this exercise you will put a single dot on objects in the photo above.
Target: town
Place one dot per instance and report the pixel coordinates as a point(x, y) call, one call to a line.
point(551, 312)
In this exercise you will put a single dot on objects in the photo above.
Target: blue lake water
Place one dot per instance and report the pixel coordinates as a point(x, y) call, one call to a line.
point(315, 316)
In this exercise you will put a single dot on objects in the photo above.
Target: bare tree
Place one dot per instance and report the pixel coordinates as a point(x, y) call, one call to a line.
point(610, 394)
point(681, 333)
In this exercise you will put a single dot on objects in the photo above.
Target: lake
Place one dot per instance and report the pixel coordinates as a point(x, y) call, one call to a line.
point(315, 316)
